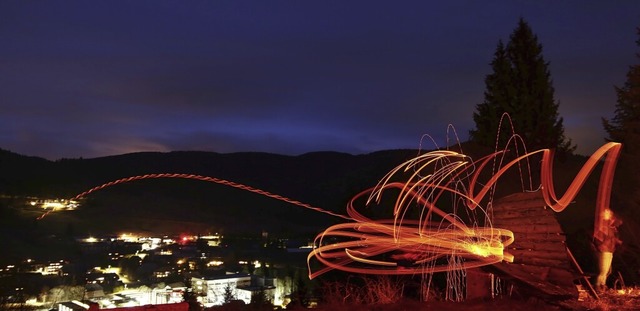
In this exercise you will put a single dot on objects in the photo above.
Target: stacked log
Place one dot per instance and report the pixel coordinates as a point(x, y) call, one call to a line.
point(541, 265)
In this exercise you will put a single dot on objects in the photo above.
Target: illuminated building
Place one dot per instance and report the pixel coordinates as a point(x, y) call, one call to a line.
point(91, 306)
point(212, 289)
point(242, 285)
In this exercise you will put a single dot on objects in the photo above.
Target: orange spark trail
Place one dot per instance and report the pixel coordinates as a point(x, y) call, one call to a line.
point(414, 246)
point(208, 179)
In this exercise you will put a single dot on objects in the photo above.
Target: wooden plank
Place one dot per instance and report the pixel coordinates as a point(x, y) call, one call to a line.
point(535, 211)
point(531, 254)
point(525, 253)
point(530, 205)
point(502, 207)
point(551, 229)
point(529, 199)
point(560, 263)
point(517, 223)
point(522, 196)
point(538, 236)
point(525, 227)
point(522, 251)
point(540, 259)
point(538, 245)
point(533, 272)
point(529, 219)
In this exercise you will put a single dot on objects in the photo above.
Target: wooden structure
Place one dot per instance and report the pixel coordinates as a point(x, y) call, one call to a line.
point(542, 266)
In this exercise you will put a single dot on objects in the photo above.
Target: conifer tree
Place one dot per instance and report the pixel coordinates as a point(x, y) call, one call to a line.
point(625, 125)
point(520, 85)
point(260, 301)
point(488, 114)
point(625, 128)
point(228, 294)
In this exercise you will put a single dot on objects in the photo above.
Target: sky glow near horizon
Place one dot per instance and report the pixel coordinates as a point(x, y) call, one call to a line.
point(91, 79)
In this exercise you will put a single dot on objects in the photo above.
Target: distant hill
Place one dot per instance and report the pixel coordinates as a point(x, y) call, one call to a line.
point(322, 179)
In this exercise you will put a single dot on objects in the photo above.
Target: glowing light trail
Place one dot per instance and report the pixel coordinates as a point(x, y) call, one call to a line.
point(207, 179)
point(422, 245)
point(429, 243)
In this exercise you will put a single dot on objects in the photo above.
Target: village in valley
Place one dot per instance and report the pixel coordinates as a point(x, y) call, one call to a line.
point(131, 270)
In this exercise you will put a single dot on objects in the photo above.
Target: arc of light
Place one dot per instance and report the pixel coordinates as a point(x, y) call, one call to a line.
point(409, 187)
point(433, 156)
point(208, 179)
point(351, 210)
point(424, 161)
point(440, 243)
point(610, 152)
point(611, 149)
point(486, 187)
point(377, 237)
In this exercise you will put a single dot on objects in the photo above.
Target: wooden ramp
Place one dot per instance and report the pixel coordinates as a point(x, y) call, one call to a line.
point(541, 266)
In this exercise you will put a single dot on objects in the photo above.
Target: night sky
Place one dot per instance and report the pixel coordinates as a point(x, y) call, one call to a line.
point(97, 78)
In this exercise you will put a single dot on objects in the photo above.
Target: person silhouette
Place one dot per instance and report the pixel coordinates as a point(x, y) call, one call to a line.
point(606, 241)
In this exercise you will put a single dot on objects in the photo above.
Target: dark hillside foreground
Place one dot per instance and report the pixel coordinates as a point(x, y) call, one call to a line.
point(494, 305)
point(612, 300)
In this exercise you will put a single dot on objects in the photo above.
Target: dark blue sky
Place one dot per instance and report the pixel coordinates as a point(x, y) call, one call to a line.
point(96, 78)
